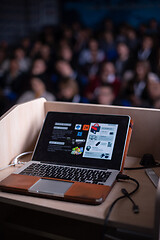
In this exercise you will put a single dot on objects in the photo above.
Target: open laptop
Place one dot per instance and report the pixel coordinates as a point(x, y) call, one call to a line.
point(77, 157)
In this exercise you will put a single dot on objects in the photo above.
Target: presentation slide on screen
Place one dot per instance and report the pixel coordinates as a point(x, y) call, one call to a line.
point(100, 141)
point(94, 140)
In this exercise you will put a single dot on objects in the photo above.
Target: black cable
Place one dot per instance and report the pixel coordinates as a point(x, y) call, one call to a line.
point(135, 207)
point(121, 177)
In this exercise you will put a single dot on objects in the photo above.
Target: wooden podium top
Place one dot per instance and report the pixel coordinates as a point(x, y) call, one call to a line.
point(19, 129)
point(122, 214)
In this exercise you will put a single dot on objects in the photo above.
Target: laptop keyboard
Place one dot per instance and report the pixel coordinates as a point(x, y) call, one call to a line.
point(67, 173)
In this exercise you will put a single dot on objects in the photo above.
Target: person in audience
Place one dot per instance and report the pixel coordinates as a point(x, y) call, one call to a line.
point(63, 69)
point(48, 36)
point(136, 88)
point(92, 54)
point(132, 40)
point(45, 54)
point(13, 82)
point(35, 50)
point(69, 91)
point(67, 33)
point(124, 61)
point(107, 74)
point(109, 46)
point(24, 62)
point(65, 53)
point(90, 58)
point(153, 89)
point(82, 39)
point(121, 36)
point(26, 45)
point(105, 94)
point(39, 67)
point(153, 27)
point(148, 52)
point(38, 90)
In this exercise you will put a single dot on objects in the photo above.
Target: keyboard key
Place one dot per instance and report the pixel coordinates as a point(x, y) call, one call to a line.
point(67, 173)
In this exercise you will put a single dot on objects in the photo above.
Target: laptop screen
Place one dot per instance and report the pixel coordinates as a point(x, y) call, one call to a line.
point(78, 139)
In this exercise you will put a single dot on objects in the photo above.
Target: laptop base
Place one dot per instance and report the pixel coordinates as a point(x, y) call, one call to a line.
point(68, 191)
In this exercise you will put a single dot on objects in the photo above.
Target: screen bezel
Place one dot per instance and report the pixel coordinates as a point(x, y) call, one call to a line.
point(40, 153)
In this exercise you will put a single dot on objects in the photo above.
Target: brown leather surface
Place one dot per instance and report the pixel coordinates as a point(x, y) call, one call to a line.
point(87, 193)
point(78, 192)
point(17, 182)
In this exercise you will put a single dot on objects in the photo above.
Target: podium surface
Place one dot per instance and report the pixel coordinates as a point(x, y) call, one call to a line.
point(19, 129)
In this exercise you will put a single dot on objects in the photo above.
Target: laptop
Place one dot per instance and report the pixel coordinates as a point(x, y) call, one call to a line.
point(77, 158)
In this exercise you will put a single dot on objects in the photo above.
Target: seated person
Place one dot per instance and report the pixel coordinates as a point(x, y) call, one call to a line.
point(39, 67)
point(105, 94)
point(92, 53)
point(14, 82)
point(63, 69)
point(124, 61)
point(109, 46)
point(148, 52)
point(107, 74)
point(153, 89)
point(69, 91)
point(23, 60)
point(135, 90)
point(90, 58)
point(38, 89)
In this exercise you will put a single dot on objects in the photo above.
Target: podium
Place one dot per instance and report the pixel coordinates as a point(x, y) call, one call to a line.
point(19, 129)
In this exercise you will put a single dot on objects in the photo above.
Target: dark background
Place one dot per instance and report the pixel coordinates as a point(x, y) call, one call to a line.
point(21, 18)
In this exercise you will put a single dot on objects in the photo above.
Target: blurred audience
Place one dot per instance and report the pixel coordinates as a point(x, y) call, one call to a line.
point(116, 64)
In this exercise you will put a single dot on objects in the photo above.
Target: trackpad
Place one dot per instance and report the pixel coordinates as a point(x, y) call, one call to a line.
point(50, 187)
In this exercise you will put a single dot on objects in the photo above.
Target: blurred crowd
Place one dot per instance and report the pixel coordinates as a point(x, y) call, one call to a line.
point(117, 65)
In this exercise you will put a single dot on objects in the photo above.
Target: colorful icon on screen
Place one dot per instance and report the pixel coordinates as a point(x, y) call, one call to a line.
point(78, 126)
point(77, 151)
point(88, 148)
point(95, 128)
point(85, 127)
point(79, 134)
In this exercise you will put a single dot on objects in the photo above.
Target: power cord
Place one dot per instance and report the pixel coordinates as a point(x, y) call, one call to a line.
point(127, 194)
point(16, 160)
point(135, 207)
